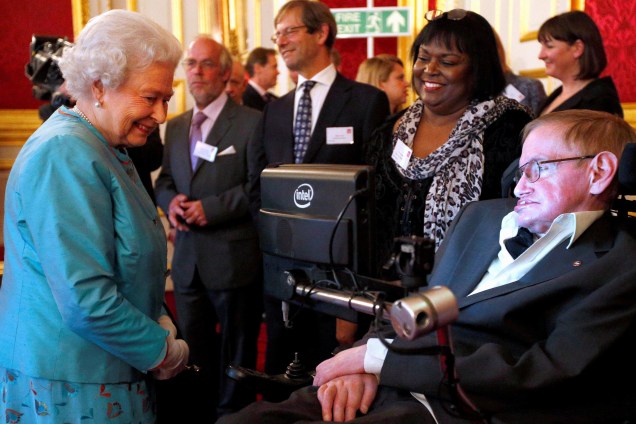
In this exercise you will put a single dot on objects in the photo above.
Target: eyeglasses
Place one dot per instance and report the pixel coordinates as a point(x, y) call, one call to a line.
point(532, 170)
point(453, 15)
point(286, 32)
point(190, 64)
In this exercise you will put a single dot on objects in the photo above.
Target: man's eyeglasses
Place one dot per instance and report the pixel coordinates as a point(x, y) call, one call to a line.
point(286, 32)
point(532, 170)
point(453, 15)
point(190, 64)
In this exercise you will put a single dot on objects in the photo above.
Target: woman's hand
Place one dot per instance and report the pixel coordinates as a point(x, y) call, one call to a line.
point(342, 397)
point(166, 323)
point(175, 361)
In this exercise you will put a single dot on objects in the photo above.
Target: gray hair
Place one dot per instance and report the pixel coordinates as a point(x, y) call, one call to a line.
point(112, 45)
point(225, 57)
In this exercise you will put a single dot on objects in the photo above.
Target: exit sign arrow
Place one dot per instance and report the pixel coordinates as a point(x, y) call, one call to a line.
point(373, 22)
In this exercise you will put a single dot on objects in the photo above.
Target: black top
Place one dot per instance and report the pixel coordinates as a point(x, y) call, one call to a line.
point(400, 201)
point(600, 94)
point(146, 159)
point(253, 99)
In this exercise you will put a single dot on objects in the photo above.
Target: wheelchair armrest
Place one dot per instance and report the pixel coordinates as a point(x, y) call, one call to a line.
point(278, 386)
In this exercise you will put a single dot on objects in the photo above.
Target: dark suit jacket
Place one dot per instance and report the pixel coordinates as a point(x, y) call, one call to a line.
point(226, 251)
point(556, 346)
point(600, 94)
point(348, 104)
point(253, 99)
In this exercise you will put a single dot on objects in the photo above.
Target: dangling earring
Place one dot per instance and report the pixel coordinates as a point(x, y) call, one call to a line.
point(98, 105)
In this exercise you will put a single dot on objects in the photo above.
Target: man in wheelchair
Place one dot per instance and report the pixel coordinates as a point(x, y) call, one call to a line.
point(544, 335)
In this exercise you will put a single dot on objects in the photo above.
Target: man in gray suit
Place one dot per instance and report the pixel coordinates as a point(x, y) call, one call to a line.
point(216, 267)
point(544, 334)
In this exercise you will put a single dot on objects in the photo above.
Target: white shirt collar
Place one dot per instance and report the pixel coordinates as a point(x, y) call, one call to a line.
point(505, 269)
point(575, 223)
point(326, 77)
point(260, 90)
point(213, 110)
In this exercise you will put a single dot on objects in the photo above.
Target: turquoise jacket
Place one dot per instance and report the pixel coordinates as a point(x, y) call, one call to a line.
point(85, 260)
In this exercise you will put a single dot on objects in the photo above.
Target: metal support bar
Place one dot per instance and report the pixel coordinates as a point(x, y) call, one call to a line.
point(344, 299)
point(414, 316)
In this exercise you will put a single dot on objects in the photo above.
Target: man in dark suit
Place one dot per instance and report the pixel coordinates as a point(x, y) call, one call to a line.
point(262, 68)
point(216, 267)
point(237, 83)
point(546, 336)
point(342, 116)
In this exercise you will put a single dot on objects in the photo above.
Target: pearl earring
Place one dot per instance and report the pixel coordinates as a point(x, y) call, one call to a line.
point(98, 105)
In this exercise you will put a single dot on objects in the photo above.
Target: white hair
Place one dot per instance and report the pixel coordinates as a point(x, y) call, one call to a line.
point(112, 45)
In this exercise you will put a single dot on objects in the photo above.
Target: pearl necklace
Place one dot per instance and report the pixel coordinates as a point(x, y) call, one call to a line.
point(81, 114)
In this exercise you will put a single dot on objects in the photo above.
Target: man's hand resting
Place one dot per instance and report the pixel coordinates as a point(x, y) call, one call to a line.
point(342, 397)
point(344, 386)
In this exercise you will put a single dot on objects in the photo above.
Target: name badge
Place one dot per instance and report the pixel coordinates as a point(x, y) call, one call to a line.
point(401, 154)
point(340, 135)
point(205, 151)
point(513, 93)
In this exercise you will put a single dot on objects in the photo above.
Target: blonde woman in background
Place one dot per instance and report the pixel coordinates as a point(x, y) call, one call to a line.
point(386, 72)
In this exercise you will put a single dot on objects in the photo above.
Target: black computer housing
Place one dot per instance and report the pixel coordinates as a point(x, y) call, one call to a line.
point(300, 207)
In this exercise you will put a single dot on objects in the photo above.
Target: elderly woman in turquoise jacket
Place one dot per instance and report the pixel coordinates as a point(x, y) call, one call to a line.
point(81, 323)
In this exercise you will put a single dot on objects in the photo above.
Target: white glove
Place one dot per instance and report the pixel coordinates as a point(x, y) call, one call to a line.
point(175, 361)
point(166, 322)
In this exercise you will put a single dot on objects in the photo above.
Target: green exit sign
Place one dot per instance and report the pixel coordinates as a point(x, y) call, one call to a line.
point(374, 22)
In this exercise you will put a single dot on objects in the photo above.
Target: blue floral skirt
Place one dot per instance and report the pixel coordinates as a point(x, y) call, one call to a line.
point(28, 400)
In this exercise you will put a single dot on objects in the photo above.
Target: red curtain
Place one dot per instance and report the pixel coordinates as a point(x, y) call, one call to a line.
point(616, 23)
point(24, 19)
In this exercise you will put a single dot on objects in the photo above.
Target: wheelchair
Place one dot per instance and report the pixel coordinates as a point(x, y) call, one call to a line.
point(412, 309)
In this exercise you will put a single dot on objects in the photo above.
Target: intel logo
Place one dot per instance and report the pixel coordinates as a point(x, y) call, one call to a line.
point(303, 195)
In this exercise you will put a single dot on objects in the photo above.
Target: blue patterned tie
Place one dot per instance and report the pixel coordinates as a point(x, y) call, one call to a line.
point(302, 126)
point(195, 135)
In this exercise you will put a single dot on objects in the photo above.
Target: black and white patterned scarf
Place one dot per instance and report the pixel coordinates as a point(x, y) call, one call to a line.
point(457, 167)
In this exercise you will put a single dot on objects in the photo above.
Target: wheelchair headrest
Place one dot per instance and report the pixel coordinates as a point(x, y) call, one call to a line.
point(627, 170)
